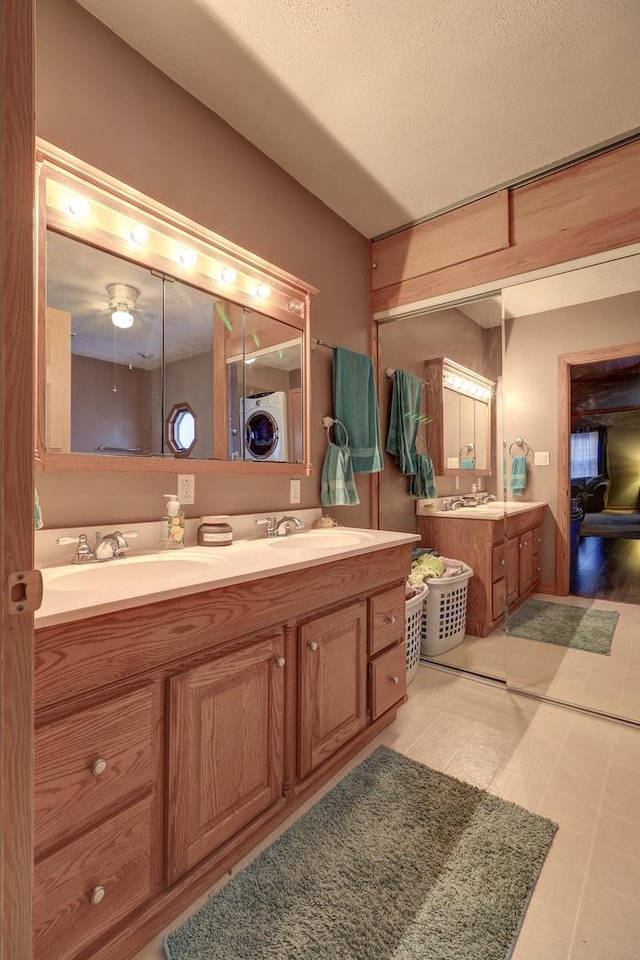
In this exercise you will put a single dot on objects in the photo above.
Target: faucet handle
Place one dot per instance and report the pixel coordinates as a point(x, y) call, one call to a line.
point(83, 553)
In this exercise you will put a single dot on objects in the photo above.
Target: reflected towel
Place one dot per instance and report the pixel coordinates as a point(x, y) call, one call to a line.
point(38, 522)
point(404, 420)
point(355, 404)
point(337, 486)
point(423, 482)
point(518, 474)
point(467, 463)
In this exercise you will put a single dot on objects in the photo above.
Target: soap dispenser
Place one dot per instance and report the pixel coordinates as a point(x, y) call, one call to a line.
point(173, 524)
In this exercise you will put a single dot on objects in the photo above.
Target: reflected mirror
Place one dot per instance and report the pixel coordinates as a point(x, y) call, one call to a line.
point(140, 364)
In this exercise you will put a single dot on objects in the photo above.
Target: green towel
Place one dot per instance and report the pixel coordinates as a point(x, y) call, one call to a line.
point(404, 420)
point(467, 463)
point(38, 523)
point(337, 486)
point(518, 475)
point(355, 404)
point(423, 482)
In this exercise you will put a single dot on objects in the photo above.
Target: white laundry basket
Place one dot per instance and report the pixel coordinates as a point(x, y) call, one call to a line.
point(413, 610)
point(444, 616)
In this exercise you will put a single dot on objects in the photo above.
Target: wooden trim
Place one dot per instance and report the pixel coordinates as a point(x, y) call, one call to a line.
point(588, 208)
point(88, 463)
point(565, 362)
point(463, 234)
point(17, 180)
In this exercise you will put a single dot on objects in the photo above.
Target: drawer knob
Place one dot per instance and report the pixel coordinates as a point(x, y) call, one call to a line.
point(395, 679)
point(97, 894)
point(313, 646)
point(501, 563)
point(391, 618)
point(99, 766)
point(538, 539)
point(280, 661)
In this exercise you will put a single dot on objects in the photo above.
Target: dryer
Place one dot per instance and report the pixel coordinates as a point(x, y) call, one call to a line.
point(265, 426)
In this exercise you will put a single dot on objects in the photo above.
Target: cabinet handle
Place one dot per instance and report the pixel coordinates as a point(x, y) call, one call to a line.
point(395, 679)
point(501, 563)
point(313, 646)
point(280, 661)
point(520, 545)
point(391, 618)
point(99, 766)
point(538, 539)
point(97, 894)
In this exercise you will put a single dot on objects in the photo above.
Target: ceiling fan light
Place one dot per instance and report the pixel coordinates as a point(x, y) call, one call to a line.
point(122, 319)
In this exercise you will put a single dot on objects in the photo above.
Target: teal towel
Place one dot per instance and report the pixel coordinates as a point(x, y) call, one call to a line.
point(423, 482)
point(355, 404)
point(518, 474)
point(404, 420)
point(337, 485)
point(467, 464)
point(38, 522)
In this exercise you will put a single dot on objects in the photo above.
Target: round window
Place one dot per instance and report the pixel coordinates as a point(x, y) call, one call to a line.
point(182, 434)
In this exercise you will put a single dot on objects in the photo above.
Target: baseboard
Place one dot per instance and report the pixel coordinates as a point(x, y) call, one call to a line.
point(547, 587)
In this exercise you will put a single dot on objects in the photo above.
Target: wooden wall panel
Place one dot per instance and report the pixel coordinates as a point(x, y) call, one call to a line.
point(590, 207)
point(462, 234)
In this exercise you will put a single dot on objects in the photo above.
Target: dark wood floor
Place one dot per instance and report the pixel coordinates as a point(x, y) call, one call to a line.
point(606, 569)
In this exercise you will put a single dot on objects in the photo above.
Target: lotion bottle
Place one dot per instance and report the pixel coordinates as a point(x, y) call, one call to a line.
point(173, 524)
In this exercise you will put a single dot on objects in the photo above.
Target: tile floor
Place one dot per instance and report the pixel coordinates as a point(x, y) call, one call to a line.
point(579, 769)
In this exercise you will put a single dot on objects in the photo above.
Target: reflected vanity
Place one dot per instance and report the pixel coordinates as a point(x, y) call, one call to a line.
point(160, 340)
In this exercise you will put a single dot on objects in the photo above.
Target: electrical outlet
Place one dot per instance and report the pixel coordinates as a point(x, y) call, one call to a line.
point(541, 458)
point(294, 491)
point(186, 488)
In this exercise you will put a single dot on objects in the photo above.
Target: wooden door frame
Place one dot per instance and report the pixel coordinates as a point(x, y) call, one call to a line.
point(17, 335)
point(565, 362)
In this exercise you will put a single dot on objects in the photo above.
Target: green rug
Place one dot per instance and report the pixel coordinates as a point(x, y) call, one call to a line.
point(565, 625)
point(397, 862)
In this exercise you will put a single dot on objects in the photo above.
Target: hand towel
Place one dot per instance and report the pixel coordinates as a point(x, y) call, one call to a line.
point(404, 420)
point(355, 404)
point(467, 463)
point(38, 522)
point(337, 486)
point(518, 474)
point(423, 482)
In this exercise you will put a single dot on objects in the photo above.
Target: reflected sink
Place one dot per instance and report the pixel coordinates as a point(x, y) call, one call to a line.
point(130, 574)
point(319, 540)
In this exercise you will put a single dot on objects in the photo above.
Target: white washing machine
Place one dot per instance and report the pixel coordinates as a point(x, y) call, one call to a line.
point(265, 426)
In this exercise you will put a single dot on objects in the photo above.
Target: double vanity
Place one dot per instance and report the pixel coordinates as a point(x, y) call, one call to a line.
point(186, 703)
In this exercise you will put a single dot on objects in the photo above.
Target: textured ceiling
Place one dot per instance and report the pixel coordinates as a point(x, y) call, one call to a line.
point(389, 110)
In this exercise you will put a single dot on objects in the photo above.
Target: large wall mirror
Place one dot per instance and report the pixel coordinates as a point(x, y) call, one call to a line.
point(159, 347)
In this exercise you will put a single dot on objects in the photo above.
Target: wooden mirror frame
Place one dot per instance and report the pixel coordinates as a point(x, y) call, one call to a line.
point(117, 208)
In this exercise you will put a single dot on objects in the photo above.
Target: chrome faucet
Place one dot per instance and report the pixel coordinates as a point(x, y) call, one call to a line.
point(281, 527)
point(110, 546)
point(454, 503)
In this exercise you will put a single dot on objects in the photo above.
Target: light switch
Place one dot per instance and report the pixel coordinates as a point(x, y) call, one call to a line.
point(294, 491)
point(541, 458)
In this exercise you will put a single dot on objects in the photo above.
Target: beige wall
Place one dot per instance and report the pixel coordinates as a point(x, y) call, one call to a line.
point(533, 344)
point(102, 102)
point(405, 345)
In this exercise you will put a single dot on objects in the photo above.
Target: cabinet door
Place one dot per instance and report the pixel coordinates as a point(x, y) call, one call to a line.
point(332, 672)
point(226, 748)
point(512, 559)
point(526, 562)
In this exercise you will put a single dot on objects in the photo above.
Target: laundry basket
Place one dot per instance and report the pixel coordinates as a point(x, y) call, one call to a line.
point(413, 624)
point(444, 616)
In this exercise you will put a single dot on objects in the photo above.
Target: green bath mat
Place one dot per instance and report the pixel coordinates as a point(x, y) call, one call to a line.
point(397, 862)
point(564, 624)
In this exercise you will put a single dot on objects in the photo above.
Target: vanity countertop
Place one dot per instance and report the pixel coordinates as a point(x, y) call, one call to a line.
point(494, 510)
point(76, 592)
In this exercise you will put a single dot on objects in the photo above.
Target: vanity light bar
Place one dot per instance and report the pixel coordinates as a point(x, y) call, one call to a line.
point(468, 387)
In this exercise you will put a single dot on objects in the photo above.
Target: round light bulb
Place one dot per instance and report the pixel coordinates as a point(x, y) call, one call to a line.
point(229, 275)
point(139, 234)
point(78, 206)
point(188, 257)
point(122, 319)
point(263, 291)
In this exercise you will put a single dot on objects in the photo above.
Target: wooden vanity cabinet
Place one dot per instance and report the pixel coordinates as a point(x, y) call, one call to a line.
point(172, 737)
point(504, 555)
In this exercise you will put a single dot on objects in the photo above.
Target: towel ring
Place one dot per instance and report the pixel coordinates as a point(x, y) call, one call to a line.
point(471, 447)
point(422, 439)
point(329, 423)
point(519, 442)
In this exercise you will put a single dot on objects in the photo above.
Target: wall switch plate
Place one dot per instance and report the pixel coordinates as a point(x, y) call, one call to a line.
point(541, 458)
point(186, 488)
point(294, 491)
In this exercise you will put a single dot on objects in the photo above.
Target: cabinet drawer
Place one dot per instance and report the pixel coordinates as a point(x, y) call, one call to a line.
point(386, 619)
point(86, 763)
point(387, 679)
point(498, 562)
point(92, 883)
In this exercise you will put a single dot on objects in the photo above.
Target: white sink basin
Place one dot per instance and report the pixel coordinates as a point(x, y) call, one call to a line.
point(131, 573)
point(319, 540)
